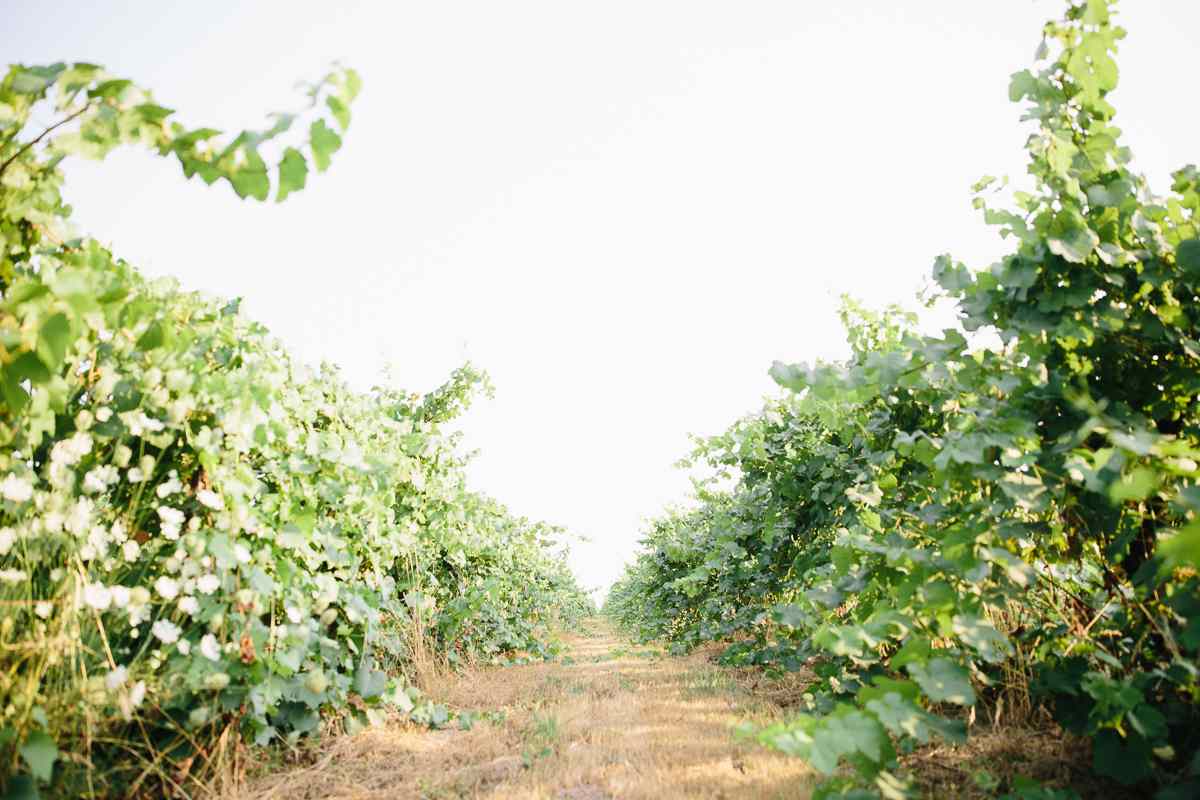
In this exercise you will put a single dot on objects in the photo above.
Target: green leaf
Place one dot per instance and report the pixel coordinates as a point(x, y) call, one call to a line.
point(950, 275)
point(953, 731)
point(21, 787)
point(32, 81)
point(1022, 84)
point(250, 179)
point(845, 734)
point(789, 376)
point(290, 659)
point(40, 753)
point(1128, 761)
point(944, 681)
point(341, 112)
point(1183, 548)
point(152, 338)
point(979, 633)
point(110, 89)
point(368, 681)
point(867, 494)
point(54, 339)
point(1149, 722)
point(352, 85)
point(881, 686)
point(400, 698)
point(221, 549)
point(1074, 244)
point(15, 396)
point(1138, 484)
point(1026, 490)
point(1096, 13)
point(28, 367)
point(1187, 256)
point(324, 142)
point(900, 716)
point(293, 172)
point(791, 615)
point(153, 113)
point(914, 650)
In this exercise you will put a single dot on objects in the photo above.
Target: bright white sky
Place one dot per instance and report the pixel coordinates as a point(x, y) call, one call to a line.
point(624, 211)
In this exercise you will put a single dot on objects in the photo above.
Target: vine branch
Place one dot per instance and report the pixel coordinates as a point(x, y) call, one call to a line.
point(40, 136)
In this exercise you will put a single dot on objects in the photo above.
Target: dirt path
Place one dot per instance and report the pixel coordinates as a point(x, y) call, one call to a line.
point(612, 721)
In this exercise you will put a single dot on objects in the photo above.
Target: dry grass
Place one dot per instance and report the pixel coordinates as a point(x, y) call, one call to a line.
point(617, 722)
point(993, 756)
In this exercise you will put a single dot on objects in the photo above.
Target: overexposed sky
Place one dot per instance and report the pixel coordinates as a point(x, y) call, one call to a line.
point(624, 211)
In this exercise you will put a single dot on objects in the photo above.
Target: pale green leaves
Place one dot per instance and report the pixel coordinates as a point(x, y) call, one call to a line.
point(1137, 484)
point(980, 634)
point(29, 83)
point(846, 640)
point(1025, 489)
point(40, 752)
point(1022, 84)
point(902, 716)
point(250, 178)
point(1096, 13)
point(951, 275)
point(1059, 152)
point(823, 742)
point(341, 111)
point(153, 113)
point(867, 494)
point(324, 142)
point(791, 615)
point(111, 89)
point(34, 80)
point(790, 376)
point(369, 682)
point(1072, 239)
point(118, 112)
point(1092, 65)
point(1182, 548)
point(944, 681)
point(851, 732)
point(54, 339)
point(293, 172)
point(1187, 257)
point(351, 84)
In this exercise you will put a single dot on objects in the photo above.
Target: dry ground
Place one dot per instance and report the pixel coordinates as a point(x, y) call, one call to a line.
point(612, 721)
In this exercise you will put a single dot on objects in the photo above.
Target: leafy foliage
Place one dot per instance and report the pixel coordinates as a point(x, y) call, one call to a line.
point(937, 523)
point(200, 536)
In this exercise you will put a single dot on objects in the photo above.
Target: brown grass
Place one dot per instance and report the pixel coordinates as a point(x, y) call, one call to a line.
point(994, 756)
point(617, 722)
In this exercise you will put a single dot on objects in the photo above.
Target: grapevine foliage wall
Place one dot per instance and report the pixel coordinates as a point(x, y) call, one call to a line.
point(941, 528)
point(201, 539)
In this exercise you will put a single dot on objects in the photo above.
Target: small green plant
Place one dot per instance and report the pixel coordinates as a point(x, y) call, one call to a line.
point(541, 740)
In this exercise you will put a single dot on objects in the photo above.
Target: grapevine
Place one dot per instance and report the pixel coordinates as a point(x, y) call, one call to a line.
point(944, 528)
point(204, 542)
